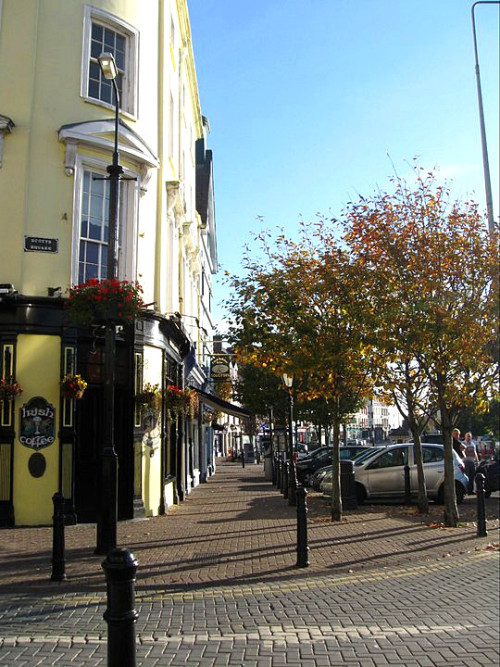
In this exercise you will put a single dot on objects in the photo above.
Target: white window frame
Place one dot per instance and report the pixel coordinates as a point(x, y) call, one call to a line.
point(127, 256)
point(129, 101)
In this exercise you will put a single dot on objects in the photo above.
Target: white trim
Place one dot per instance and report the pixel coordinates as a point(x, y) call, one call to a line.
point(130, 95)
point(99, 135)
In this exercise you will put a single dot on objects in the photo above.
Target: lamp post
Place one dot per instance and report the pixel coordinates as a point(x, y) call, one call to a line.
point(108, 504)
point(292, 480)
point(486, 165)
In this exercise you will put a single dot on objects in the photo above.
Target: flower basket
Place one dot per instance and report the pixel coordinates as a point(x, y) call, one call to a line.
point(9, 389)
point(73, 386)
point(180, 401)
point(105, 301)
point(149, 399)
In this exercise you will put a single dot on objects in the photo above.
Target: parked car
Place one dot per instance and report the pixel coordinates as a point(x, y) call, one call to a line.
point(383, 475)
point(307, 466)
point(317, 478)
point(490, 468)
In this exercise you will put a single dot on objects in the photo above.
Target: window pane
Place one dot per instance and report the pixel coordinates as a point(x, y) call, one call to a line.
point(104, 260)
point(85, 227)
point(86, 181)
point(91, 271)
point(95, 229)
point(97, 31)
point(109, 40)
point(106, 94)
point(95, 48)
point(96, 207)
point(94, 89)
point(92, 253)
point(120, 51)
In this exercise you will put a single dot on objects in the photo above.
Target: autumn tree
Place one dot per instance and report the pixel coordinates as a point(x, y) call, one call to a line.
point(434, 267)
point(303, 309)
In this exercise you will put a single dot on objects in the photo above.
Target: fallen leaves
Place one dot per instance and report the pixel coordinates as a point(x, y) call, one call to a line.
point(492, 546)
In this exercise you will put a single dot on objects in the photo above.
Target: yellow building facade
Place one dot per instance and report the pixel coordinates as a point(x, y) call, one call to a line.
point(57, 133)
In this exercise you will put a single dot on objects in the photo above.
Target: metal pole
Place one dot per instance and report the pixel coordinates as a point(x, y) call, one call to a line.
point(481, 510)
point(302, 546)
point(108, 509)
point(58, 562)
point(292, 483)
point(486, 165)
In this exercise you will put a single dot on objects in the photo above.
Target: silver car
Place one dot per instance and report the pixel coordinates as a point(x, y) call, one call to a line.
point(383, 474)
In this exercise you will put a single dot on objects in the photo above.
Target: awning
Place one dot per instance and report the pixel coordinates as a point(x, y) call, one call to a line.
point(224, 406)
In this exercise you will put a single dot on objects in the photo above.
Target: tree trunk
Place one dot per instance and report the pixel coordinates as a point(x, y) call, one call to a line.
point(422, 500)
point(451, 516)
point(336, 489)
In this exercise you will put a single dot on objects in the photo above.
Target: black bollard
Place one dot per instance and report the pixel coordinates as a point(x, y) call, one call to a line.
point(242, 458)
point(285, 479)
point(481, 509)
point(407, 485)
point(120, 567)
point(280, 475)
point(302, 547)
point(58, 562)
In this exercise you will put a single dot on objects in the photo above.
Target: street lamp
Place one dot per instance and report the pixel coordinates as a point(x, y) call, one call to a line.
point(108, 509)
point(292, 480)
point(486, 165)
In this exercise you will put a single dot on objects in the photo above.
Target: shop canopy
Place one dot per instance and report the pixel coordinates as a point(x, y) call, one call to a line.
point(224, 406)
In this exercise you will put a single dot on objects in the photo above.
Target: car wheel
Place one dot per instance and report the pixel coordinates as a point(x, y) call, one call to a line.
point(360, 494)
point(459, 492)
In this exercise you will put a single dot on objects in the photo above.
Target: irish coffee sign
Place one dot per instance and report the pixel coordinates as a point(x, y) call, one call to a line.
point(37, 423)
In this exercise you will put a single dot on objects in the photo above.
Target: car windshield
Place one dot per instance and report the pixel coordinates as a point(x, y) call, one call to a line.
point(363, 456)
point(318, 452)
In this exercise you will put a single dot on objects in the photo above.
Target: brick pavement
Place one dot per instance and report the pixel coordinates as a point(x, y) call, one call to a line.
point(217, 584)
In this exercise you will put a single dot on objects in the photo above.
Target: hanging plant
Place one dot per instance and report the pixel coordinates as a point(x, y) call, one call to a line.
point(9, 389)
point(94, 301)
point(180, 401)
point(149, 399)
point(73, 386)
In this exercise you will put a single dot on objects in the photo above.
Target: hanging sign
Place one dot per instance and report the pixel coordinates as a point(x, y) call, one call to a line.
point(220, 367)
point(37, 423)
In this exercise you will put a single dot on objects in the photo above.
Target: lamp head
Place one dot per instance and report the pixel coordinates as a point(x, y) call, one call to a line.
point(108, 65)
point(288, 380)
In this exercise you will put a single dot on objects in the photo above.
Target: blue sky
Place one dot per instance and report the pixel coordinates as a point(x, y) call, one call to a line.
point(307, 99)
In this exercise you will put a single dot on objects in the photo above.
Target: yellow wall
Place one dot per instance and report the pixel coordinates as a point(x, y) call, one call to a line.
point(37, 371)
point(151, 466)
point(41, 40)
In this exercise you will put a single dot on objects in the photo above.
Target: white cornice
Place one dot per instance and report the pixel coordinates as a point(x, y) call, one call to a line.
point(99, 135)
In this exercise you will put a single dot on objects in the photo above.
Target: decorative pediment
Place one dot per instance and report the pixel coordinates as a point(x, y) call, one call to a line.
point(100, 135)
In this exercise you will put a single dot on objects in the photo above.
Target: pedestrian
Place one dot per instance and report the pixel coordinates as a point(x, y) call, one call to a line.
point(471, 460)
point(457, 445)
